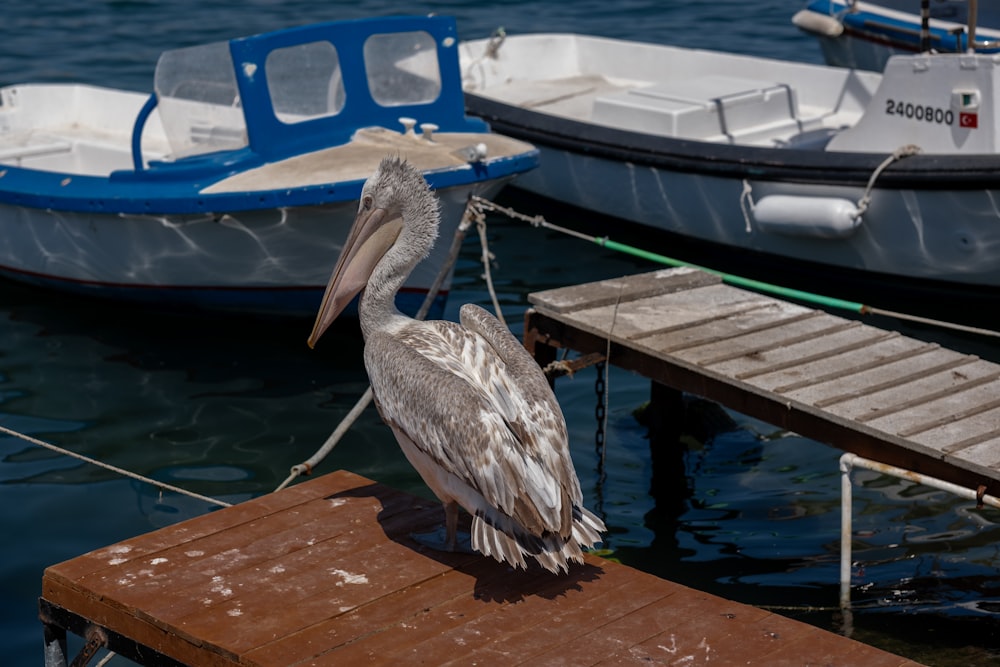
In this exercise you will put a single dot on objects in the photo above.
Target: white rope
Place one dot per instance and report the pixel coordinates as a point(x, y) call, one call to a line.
point(898, 154)
point(746, 204)
point(306, 467)
point(539, 221)
point(114, 469)
point(106, 659)
point(487, 259)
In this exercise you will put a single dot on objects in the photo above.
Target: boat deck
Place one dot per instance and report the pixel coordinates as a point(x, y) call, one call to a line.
point(323, 573)
point(869, 391)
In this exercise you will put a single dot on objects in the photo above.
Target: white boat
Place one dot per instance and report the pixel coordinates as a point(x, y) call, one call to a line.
point(853, 178)
point(234, 184)
point(865, 34)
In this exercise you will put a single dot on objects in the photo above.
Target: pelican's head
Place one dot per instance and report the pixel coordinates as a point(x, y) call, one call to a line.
point(396, 210)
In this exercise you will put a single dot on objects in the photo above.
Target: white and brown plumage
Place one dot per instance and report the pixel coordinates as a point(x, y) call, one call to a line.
point(470, 408)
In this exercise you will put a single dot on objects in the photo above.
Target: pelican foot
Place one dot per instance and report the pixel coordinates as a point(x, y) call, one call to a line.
point(438, 540)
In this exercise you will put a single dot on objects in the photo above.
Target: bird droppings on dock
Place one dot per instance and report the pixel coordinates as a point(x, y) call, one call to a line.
point(292, 602)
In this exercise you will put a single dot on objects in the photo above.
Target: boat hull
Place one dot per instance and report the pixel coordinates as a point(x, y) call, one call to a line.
point(271, 262)
point(866, 35)
point(924, 226)
point(234, 184)
point(923, 221)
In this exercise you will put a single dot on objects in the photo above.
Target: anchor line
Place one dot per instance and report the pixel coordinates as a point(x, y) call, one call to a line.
point(115, 469)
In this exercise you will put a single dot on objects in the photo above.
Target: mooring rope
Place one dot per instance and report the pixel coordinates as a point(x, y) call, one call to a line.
point(898, 154)
point(757, 285)
point(115, 469)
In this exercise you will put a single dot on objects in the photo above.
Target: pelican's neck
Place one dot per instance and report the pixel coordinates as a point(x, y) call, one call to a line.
point(377, 307)
point(419, 211)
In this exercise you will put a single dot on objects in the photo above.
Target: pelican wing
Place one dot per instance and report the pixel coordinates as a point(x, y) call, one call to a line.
point(459, 400)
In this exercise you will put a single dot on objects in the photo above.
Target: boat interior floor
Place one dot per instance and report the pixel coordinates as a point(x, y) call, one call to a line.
point(713, 108)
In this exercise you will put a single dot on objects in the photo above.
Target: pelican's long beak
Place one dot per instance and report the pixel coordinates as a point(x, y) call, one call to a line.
point(371, 235)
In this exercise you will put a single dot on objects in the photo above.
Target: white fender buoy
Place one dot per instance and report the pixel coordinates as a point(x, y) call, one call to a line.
point(816, 23)
point(817, 217)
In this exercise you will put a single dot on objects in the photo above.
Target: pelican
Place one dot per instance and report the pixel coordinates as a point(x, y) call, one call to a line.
point(470, 408)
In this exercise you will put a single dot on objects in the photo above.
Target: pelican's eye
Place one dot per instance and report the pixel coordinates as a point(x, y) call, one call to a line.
point(367, 202)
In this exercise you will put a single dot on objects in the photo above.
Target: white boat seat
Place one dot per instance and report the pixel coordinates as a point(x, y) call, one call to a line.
point(13, 153)
point(707, 108)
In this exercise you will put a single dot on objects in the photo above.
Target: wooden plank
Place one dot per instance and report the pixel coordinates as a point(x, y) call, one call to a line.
point(635, 318)
point(667, 633)
point(559, 617)
point(985, 453)
point(904, 386)
point(834, 370)
point(865, 390)
point(910, 414)
point(361, 591)
point(894, 373)
point(750, 350)
point(755, 318)
point(622, 290)
point(344, 634)
point(147, 544)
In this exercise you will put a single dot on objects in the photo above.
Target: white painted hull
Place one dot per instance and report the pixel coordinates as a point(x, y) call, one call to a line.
point(273, 261)
point(908, 233)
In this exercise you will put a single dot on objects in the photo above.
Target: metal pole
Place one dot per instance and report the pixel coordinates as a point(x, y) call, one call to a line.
point(973, 17)
point(925, 26)
point(55, 645)
point(846, 510)
point(850, 461)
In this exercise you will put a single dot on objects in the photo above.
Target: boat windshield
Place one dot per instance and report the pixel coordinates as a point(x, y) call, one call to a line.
point(198, 100)
point(304, 81)
point(402, 68)
point(202, 110)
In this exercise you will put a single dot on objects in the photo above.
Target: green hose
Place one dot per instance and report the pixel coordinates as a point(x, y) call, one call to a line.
point(730, 279)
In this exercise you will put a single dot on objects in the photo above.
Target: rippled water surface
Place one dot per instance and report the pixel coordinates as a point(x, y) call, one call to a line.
point(225, 406)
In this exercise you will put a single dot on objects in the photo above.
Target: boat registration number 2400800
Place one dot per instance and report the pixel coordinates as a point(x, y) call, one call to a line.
point(924, 112)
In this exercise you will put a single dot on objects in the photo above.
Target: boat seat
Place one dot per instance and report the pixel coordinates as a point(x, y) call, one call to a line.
point(707, 108)
point(37, 149)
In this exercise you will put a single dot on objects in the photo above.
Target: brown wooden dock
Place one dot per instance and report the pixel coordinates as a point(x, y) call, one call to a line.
point(865, 390)
point(324, 573)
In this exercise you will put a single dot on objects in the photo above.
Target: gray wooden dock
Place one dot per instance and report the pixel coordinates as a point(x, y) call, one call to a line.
point(862, 389)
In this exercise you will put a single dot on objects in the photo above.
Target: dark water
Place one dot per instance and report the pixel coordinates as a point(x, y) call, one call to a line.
point(225, 406)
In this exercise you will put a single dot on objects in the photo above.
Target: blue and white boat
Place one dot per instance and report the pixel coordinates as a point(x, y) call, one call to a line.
point(234, 184)
point(864, 35)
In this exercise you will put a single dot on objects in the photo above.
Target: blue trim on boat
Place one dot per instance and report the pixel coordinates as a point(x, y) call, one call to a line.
point(59, 191)
point(176, 187)
point(901, 34)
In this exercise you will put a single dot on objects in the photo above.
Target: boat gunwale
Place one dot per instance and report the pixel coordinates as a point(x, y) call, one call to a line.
point(884, 25)
point(31, 188)
point(924, 171)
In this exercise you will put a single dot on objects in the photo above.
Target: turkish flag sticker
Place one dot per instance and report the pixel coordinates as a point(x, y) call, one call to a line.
point(970, 120)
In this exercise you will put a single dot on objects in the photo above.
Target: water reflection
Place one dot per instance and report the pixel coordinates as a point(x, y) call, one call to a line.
point(225, 406)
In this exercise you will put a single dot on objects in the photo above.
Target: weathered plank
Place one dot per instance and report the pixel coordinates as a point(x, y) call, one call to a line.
point(325, 573)
point(867, 390)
